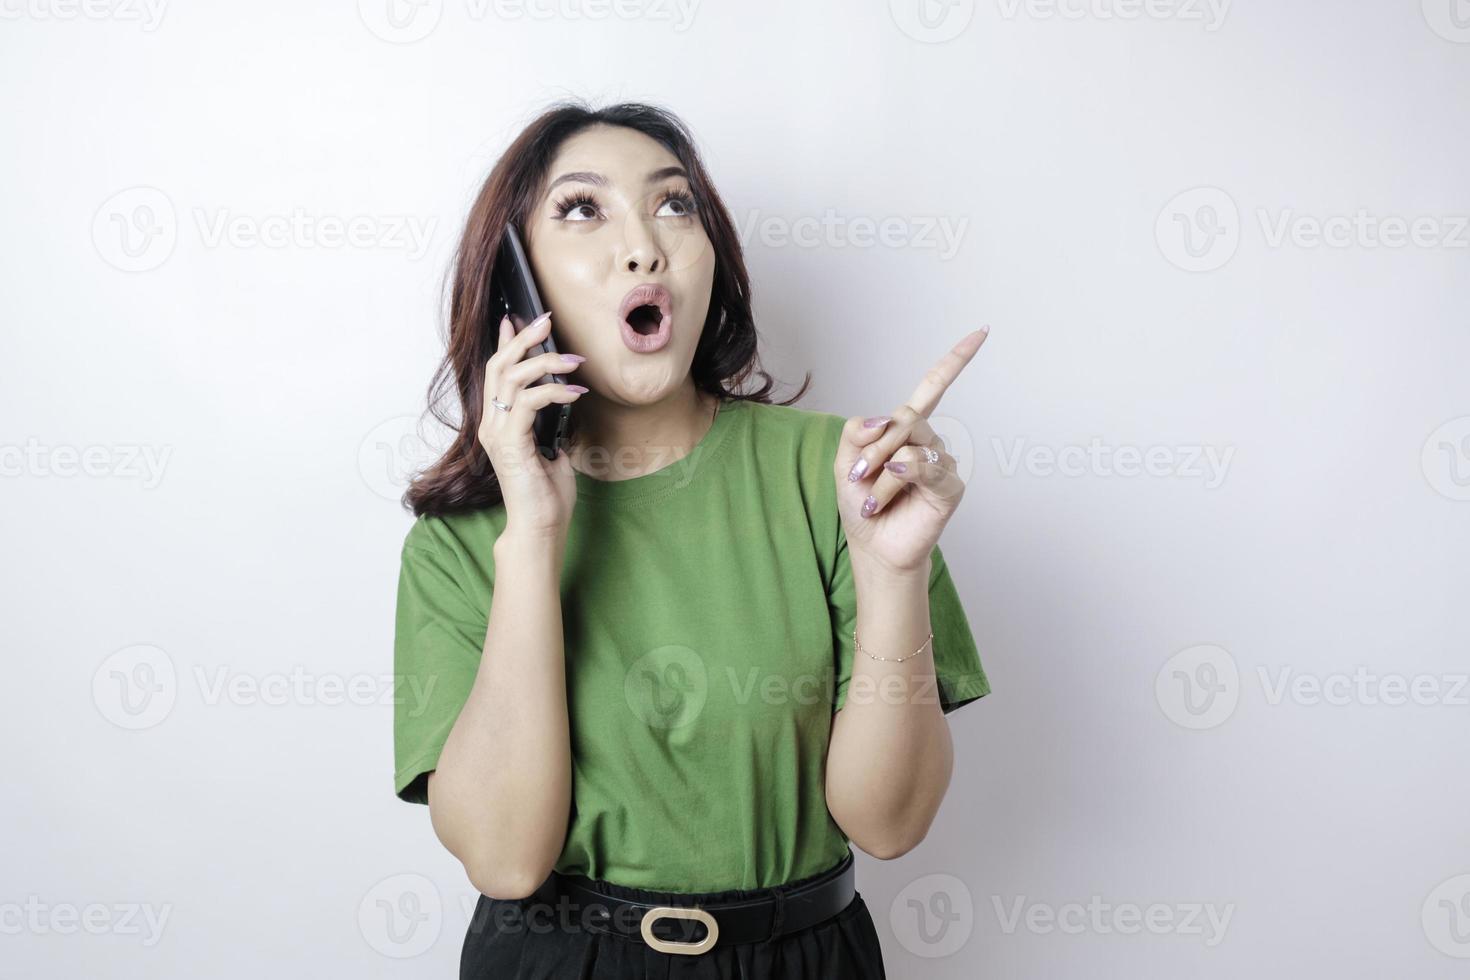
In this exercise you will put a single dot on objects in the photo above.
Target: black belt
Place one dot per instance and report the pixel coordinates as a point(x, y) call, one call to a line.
point(693, 929)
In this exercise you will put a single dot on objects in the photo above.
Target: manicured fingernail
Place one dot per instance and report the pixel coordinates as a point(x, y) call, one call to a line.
point(505, 320)
point(870, 505)
point(896, 466)
point(573, 358)
point(858, 469)
point(539, 320)
point(875, 421)
point(577, 388)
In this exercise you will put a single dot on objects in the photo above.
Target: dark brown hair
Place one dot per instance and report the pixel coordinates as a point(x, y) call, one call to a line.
point(725, 358)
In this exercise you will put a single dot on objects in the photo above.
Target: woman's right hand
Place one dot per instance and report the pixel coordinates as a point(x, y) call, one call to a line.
point(539, 493)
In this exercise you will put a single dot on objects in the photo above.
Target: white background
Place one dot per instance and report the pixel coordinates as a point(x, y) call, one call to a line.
point(275, 387)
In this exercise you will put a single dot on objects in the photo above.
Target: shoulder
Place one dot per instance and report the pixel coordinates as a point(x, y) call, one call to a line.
point(809, 435)
point(796, 448)
point(469, 535)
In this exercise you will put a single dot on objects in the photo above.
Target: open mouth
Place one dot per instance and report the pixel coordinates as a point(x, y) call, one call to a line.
point(645, 319)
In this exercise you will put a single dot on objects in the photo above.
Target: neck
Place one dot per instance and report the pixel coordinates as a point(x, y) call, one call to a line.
point(618, 442)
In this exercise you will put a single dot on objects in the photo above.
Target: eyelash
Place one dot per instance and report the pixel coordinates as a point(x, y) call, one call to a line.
point(579, 198)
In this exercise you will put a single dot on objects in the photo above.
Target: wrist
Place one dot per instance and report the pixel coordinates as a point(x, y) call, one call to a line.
point(520, 546)
point(877, 587)
point(882, 572)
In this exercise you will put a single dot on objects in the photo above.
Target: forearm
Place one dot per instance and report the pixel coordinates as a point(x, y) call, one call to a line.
point(890, 756)
point(501, 794)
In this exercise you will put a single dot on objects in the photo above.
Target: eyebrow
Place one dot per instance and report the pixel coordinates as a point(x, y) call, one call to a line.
point(590, 177)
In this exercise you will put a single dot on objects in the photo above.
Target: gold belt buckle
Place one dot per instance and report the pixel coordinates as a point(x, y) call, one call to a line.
point(669, 946)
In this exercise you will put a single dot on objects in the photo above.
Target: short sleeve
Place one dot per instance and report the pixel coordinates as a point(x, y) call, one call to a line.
point(957, 667)
point(439, 636)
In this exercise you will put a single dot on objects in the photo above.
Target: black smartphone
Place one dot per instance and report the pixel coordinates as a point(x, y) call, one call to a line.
point(523, 304)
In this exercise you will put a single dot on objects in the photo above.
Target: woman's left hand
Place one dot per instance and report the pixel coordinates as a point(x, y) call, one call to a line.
point(893, 499)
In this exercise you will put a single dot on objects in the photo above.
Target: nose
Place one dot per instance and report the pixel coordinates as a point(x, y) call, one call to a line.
point(641, 250)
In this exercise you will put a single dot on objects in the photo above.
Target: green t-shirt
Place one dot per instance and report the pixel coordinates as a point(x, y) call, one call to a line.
point(707, 612)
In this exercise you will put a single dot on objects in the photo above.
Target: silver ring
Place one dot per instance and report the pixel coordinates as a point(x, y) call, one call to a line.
point(499, 404)
point(932, 455)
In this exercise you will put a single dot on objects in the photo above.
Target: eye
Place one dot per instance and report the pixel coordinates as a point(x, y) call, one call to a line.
point(575, 206)
point(681, 202)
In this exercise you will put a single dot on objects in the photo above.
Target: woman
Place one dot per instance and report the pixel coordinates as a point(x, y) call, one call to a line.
point(638, 719)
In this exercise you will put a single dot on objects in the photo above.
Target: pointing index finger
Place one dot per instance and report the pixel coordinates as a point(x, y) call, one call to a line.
point(938, 379)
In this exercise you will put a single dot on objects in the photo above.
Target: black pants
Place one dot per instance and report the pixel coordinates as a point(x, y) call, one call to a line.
point(524, 939)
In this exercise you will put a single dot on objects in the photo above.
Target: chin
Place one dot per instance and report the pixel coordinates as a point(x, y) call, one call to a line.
point(645, 385)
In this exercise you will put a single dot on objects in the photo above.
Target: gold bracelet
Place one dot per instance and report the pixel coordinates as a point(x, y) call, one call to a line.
point(858, 646)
